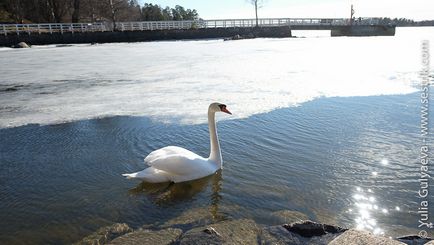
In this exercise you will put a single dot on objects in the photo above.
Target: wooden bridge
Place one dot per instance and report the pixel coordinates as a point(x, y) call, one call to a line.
point(293, 23)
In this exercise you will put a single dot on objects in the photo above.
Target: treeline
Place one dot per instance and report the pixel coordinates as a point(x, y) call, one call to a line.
point(155, 12)
point(405, 22)
point(57, 11)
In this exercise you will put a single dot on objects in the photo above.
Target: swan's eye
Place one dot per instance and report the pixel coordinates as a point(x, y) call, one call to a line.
point(222, 107)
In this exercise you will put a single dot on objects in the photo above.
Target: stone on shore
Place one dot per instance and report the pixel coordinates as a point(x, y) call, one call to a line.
point(190, 218)
point(324, 216)
point(207, 226)
point(278, 235)
point(243, 231)
point(240, 37)
point(105, 234)
point(357, 237)
point(300, 233)
point(415, 240)
point(309, 228)
point(145, 237)
point(287, 217)
point(21, 45)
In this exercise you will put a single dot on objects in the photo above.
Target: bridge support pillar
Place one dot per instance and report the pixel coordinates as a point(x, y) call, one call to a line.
point(363, 30)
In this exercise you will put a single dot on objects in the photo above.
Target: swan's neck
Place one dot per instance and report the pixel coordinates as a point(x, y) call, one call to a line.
point(215, 154)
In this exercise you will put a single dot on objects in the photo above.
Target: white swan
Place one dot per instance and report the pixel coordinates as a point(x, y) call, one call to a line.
point(176, 164)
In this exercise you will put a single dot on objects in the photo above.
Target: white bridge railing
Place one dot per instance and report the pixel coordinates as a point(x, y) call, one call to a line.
point(51, 28)
point(6, 29)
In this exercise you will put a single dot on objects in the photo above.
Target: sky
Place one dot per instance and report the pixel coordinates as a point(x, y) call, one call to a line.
point(235, 9)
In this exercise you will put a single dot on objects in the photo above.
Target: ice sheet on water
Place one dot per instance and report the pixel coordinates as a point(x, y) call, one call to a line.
point(175, 81)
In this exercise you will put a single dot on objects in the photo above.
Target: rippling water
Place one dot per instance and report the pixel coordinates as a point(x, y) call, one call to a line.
point(342, 158)
point(60, 182)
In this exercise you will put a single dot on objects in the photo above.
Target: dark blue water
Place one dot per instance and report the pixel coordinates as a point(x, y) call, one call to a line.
point(59, 183)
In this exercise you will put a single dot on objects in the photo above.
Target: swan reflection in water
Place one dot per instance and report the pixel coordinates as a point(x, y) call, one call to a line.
point(167, 193)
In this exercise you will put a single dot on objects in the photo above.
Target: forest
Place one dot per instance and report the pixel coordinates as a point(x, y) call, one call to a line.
point(405, 22)
point(65, 11)
point(75, 11)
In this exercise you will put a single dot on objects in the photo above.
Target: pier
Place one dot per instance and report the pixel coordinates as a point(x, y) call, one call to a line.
point(47, 33)
point(292, 23)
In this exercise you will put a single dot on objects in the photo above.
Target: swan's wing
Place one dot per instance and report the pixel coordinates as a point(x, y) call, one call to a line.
point(178, 161)
point(182, 165)
point(167, 151)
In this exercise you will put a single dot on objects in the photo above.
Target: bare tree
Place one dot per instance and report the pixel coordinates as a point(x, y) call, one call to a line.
point(57, 9)
point(76, 11)
point(92, 9)
point(113, 11)
point(115, 6)
point(257, 4)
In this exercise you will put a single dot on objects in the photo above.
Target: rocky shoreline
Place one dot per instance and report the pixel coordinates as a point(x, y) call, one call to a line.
point(243, 231)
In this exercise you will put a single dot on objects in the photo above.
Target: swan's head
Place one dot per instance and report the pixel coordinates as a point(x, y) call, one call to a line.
point(216, 107)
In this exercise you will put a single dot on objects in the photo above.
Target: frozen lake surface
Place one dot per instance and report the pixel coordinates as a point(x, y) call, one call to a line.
point(175, 81)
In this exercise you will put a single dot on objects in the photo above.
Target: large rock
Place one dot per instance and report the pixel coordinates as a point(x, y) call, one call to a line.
point(287, 217)
point(190, 218)
point(243, 231)
point(324, 216)
point(105, 234)
point(278, 235)
point(309, 228)
point(240, 37)
point(21, 45)
point(145, 237)
point(198, 217)
point(415, 240)
point(301, 233)
point(356, 237)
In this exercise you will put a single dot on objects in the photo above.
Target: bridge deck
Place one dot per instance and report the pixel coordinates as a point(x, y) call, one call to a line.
point(293, 23)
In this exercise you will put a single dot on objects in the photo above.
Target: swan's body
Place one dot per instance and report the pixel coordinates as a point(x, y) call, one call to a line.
point(176, 164)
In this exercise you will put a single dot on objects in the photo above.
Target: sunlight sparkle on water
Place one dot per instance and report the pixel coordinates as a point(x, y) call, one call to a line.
point(366, 210)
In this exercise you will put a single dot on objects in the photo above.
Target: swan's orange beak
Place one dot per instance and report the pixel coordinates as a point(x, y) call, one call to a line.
point(226, 110)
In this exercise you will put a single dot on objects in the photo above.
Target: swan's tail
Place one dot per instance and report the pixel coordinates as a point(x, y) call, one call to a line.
point(129, 176)
point(151, 175)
